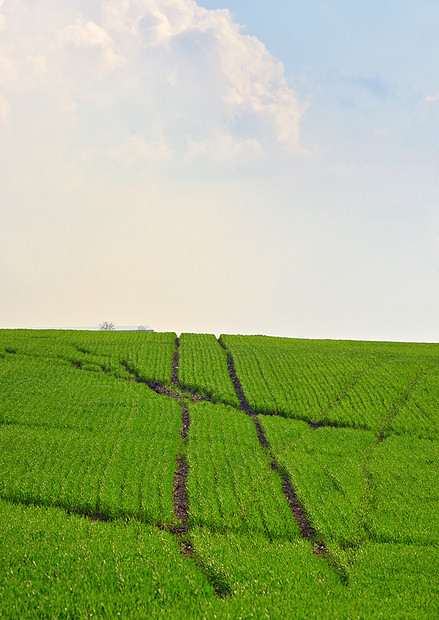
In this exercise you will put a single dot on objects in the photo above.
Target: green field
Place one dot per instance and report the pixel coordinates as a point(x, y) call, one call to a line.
point(143, 475)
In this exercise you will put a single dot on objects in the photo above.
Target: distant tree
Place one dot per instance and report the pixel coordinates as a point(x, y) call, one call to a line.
point(107, 326)
point(141, 328)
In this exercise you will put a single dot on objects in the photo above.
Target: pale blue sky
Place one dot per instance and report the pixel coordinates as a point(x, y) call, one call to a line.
point(270, 168)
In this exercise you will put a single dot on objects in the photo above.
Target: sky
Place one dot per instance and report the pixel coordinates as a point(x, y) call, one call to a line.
point(235, 166)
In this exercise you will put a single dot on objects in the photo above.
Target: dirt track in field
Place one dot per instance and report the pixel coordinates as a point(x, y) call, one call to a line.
point(181, 502)
point(182, 529)
point(306, 528)
point(177, 394)
point(180, 496)
point(175, 363)
point(181, 499)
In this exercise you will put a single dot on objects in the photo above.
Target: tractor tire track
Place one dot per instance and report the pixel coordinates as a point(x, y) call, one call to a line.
point(244, 405)
point(181, 512)
point(175, 363)
point(178, 392)
point(181, 499)
point(307, 531)
point(181, 530)
point(181, 504)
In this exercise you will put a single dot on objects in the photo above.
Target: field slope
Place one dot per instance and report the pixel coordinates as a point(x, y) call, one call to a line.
point(145, 475)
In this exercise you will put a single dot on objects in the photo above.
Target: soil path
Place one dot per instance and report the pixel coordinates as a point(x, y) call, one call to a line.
point(175, 363)
point(181, 499)
point(306, 528)
point(246, 407)
point(180, 495)
point(181, 502)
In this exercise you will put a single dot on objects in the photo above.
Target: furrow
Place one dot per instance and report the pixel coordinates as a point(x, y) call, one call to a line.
point(177, 392)
point(181, 500)
point(155, 386)
point(181, 505)
point(175, 363)
point(236, 383)
point(173, 391)
point(305, 527)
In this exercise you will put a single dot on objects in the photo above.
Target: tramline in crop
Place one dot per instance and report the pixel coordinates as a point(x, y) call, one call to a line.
point(231, 485)
point(353, 428)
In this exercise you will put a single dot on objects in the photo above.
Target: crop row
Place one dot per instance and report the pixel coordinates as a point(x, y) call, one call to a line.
point(203, 368)
point(148, 354)
point(282, 579)
point(73, 435)
point(355, 488)
point(231, 485)
point(55, 565)
point(86, 441)
point(58, 565)
point(383, 387)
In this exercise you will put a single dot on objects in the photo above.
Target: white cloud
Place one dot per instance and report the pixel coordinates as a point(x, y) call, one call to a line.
point(158, 20)
point(168, 71)
point(88, 36)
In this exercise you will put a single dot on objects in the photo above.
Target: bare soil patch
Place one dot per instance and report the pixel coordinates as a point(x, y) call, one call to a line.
point(181, 504)
point(174, 369)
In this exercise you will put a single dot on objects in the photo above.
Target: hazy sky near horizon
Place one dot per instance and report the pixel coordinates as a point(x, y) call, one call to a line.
point(235, 166)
